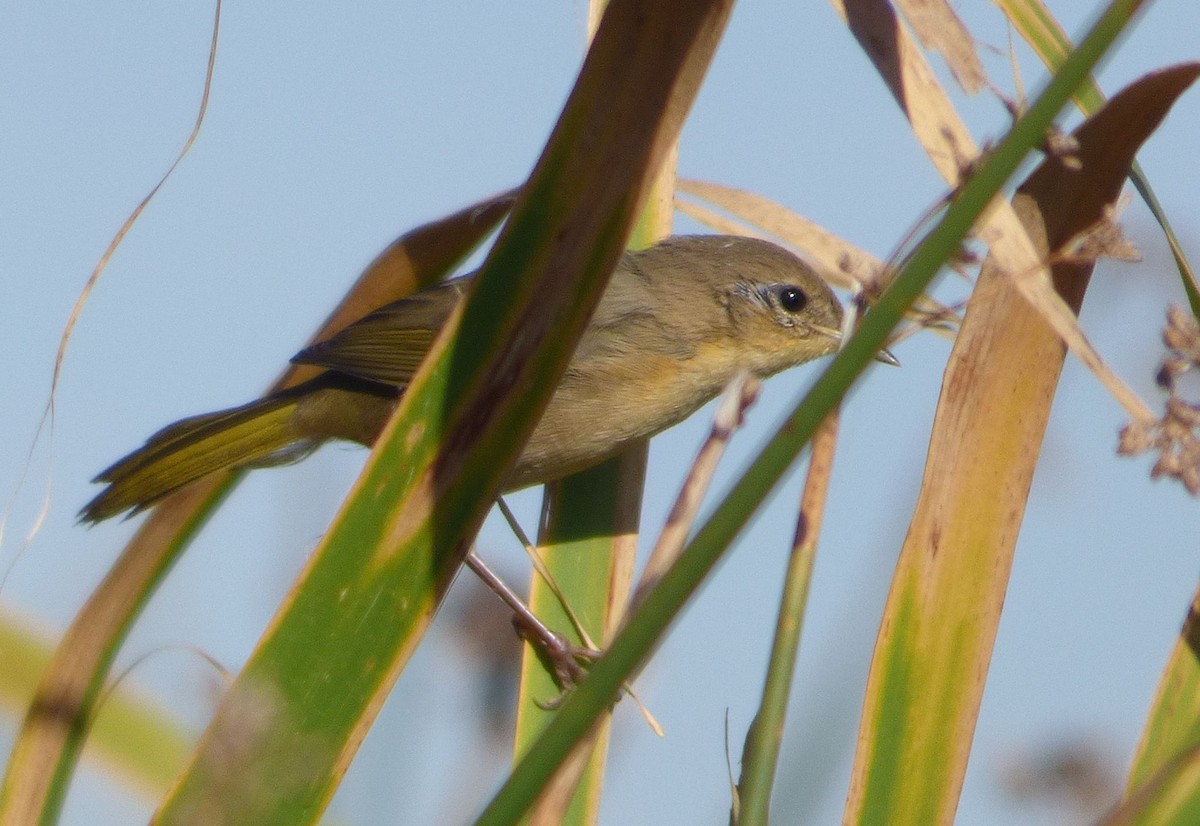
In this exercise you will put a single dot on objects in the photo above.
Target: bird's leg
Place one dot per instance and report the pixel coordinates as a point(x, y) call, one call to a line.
point(565, 658)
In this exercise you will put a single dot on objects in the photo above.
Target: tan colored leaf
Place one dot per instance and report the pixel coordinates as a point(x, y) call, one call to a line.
point(938, 28)
point(935, 645)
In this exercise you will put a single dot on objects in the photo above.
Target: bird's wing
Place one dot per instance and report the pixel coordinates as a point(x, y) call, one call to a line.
point(388, 345)
point(624, 326)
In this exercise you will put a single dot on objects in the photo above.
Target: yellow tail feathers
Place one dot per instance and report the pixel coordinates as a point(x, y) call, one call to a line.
point(188, 450)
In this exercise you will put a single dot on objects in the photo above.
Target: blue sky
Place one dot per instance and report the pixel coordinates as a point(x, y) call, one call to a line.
point(332, 130)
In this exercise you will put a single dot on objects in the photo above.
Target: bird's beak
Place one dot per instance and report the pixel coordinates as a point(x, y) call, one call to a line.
point(884, 355)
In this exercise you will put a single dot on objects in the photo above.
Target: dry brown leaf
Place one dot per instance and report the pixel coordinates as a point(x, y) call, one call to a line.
point(912, 82)
point(939, 29)
point(952, 150)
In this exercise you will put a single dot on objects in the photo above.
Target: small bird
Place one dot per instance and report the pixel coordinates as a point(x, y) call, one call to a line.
point(676, 323)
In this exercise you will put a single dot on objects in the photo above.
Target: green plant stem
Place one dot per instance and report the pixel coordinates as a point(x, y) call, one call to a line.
point(761, 753)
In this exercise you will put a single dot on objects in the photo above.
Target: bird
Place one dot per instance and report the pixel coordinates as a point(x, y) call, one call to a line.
point(676, 322)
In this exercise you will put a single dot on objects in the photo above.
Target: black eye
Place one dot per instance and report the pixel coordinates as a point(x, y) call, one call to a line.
point(792, 299)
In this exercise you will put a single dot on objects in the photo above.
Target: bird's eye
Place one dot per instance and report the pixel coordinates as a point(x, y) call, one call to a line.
point(792, 299)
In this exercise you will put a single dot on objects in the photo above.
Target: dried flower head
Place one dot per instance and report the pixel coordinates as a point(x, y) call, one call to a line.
point(1103, 239)
point(1175, 436)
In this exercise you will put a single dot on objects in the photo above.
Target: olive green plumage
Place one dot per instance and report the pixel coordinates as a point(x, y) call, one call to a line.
point(677, 322)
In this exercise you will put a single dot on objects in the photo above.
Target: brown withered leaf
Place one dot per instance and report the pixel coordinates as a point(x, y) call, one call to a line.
point(938, 28)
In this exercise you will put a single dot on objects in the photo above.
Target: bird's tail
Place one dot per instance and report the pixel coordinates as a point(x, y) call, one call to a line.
point(254, 434)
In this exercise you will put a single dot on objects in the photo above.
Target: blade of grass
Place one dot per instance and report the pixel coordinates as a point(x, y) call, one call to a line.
point(648, 622)
point(1167, 797)
point(294, 717)
point(56, 722)
point(587, 542)
point(134, 738)
point(1173, 726)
